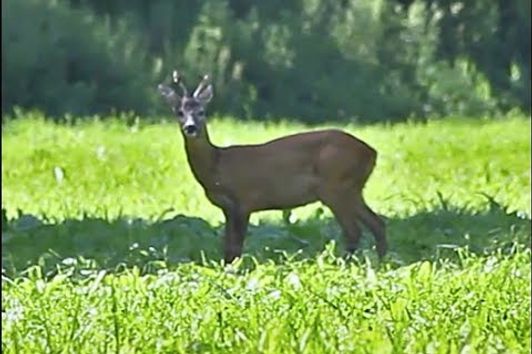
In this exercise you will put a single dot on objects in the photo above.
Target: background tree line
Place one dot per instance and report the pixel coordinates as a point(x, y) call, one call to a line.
point(304, 59)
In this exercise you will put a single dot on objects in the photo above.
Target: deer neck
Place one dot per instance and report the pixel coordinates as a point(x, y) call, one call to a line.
point(202, 157)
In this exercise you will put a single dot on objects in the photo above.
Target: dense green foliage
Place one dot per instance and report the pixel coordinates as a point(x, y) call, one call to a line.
point(310, 59)
point(102, 218)
point(67, 60)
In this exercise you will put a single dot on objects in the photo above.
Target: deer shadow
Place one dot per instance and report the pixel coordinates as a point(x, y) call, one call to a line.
point(125, 242)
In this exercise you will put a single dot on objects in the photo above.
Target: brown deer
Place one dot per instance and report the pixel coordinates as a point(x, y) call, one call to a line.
point(330, 166)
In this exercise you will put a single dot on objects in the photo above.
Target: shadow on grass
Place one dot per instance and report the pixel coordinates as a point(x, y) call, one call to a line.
point(98, 243)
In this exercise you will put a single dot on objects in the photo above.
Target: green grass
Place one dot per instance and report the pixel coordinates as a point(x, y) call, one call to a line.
point(103, 219)
point(318, 306)
point(142, 171)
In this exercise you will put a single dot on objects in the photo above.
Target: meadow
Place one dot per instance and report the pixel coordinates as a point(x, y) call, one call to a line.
point(109, 245)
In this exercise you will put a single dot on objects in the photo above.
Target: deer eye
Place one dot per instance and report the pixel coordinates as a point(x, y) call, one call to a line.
point(180, 113)
point(201, 112)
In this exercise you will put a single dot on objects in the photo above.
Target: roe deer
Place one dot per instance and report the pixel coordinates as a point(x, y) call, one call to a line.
point(330, 166)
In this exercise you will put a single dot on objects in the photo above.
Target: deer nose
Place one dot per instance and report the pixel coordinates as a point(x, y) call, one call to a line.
point(190, 129)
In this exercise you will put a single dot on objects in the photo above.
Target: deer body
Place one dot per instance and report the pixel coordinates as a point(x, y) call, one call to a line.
point(330, 166)
point(257, 177)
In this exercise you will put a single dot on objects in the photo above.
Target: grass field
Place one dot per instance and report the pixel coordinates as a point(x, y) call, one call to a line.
point(109, 245)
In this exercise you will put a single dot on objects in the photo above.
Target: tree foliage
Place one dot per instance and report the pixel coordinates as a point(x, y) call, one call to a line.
point(308, 59)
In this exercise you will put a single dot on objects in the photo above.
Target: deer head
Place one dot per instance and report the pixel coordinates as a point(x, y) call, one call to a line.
point(189, 109)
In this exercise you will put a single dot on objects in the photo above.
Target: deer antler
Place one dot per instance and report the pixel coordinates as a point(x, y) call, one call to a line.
point(201, 85)
point(178, 81)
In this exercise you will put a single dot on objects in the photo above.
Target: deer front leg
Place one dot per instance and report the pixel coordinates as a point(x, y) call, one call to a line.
point(236, 224)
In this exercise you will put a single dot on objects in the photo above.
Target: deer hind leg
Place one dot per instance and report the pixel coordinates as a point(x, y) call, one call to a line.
point(341, 207)
point(352, 234)
point(373, 222)
point(236, 224)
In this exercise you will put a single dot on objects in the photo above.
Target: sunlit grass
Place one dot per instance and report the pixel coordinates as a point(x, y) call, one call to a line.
point(142, 170)
point(318, 306)
point(103, 219)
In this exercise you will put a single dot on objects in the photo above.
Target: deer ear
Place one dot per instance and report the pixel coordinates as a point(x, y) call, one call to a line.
point(168, 94)
point(205, 95)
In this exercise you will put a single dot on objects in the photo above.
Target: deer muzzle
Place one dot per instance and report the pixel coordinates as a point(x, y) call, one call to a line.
point(190, 130)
